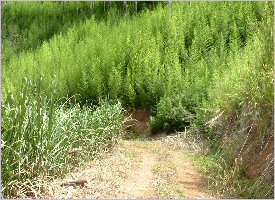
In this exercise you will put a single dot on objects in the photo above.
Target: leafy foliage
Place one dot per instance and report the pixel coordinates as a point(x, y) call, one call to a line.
point(203, 65)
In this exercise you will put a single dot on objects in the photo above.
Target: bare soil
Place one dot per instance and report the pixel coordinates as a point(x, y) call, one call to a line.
point(161, 167)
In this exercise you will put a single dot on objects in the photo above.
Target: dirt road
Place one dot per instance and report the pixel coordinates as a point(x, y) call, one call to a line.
point(148, 168)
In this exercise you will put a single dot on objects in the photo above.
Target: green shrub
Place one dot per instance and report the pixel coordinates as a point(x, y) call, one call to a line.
point(173, 114)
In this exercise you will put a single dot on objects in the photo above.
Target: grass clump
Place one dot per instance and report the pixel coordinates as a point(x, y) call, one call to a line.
point(40, 138)
point(227, 179)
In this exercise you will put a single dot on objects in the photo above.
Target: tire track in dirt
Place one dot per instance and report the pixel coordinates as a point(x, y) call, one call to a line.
point(187, 178)
point(140, 181)
point(136, 169)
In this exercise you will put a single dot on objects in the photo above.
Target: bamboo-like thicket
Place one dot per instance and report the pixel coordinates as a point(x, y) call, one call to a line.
point(187, 62)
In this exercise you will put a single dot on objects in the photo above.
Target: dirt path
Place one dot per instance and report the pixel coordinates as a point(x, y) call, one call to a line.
point(140, 180)
point(158, 168)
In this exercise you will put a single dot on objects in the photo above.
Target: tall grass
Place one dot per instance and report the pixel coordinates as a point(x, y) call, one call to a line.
point(239, 116)
point(40, 138)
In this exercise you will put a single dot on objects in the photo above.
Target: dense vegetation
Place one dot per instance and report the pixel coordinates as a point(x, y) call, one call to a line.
point(207, 66)
point(24, 29)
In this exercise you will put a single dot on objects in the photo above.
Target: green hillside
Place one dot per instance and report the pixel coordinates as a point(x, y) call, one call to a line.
point(204, 66)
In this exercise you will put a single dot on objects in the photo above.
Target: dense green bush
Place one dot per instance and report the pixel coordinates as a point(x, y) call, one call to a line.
point(172, 115)
point(160, 54)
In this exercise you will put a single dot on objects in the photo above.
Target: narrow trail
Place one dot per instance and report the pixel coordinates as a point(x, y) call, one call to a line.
point(140, 180)
point(149, 168)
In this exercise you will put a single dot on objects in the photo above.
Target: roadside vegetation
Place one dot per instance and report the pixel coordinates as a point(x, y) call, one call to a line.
point(40, 138)
point(203, 66)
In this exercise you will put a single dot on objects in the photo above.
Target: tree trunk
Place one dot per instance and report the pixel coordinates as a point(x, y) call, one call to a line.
point(126, 8)
point(92, 6)
point(169, 7)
